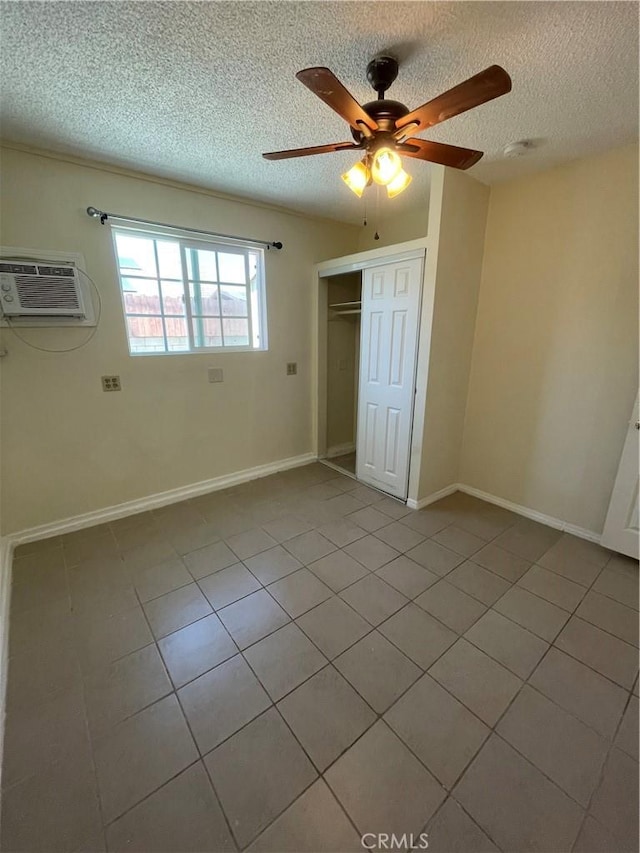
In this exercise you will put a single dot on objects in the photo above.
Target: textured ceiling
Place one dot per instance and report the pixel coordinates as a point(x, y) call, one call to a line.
point(196, 91)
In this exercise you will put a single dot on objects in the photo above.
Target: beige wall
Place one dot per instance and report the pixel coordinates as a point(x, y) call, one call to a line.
point(553, 363)
point(69, 448)
point(555, 359)
point(457, 222)
point(410, 224)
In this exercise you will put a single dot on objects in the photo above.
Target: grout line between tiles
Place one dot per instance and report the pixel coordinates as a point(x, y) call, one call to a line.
point(380, 716)
point(553, 646)
point(493, 729)
point(471, 818)
point(571, 614)
point(596, 788)
point(94, 767)
point(206, 770)
point(130, 808)
point(186, 721)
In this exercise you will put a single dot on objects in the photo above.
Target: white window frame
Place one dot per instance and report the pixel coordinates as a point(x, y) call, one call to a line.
point(187, 241)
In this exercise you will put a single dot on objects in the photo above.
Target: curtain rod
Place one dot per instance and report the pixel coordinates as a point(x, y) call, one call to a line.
point(103, 216)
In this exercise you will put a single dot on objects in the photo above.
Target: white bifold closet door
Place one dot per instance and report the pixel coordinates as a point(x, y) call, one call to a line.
point(388, 348)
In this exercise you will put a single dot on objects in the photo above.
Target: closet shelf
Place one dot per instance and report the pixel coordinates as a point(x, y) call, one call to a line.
point(346, 307)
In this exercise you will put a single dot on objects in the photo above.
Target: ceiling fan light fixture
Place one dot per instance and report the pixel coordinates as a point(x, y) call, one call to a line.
point(399, 183)
point(357, 178)
point(385, 166)
point(385, 128)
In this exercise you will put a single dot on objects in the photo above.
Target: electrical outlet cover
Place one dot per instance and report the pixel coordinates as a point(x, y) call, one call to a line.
point(111, 383)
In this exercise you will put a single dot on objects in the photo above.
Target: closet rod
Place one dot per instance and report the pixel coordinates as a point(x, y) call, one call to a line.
point(103, 216)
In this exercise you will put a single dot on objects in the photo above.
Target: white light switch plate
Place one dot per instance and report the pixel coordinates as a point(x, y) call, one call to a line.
point(215, 374)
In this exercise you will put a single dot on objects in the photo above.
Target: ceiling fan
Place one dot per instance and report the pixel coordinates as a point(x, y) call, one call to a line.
point(383, 128)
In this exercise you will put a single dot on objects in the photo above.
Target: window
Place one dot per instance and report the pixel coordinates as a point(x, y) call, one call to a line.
point(182, 295)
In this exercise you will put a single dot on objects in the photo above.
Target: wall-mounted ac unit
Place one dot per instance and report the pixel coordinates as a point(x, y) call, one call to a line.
point(33, 289)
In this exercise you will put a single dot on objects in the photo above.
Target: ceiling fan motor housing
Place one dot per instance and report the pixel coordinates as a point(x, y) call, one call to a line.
point(385, 112)
point(381, 72)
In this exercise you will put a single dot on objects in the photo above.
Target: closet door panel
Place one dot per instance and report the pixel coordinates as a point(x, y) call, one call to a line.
point(388, 346)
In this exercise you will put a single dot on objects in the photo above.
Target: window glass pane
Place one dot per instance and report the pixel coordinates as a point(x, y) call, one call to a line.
point(236, 332)
point(145, 334)
point(234, 301)
point(207, 332)
point(177, 337)
point(255, 316)
point(254, 280)
point(225, 291)
point(173, 297)
point(141, 296)
point(253, 268)
point(201, 264)
point(232, 268)
point(136, 255)
point(204, 298)
point(169, 259)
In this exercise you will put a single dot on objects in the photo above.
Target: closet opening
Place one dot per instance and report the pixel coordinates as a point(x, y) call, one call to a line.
point(343, 308)
point(368, 315)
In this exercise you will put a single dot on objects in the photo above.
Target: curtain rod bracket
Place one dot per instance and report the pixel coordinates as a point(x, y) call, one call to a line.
point(94, 213)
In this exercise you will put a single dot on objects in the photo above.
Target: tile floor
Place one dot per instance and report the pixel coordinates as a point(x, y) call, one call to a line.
point(296, 661)
point(346, 461)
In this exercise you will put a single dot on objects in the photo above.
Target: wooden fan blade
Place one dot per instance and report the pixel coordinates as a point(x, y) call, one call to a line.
point(323, 83)
point(437, 152)
point(485, 86)
point(316, 149)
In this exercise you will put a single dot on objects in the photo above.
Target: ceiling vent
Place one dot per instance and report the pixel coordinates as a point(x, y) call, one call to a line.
point(519, 149)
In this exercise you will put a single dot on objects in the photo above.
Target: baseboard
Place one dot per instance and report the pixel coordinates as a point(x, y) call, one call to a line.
point(421, 503)
point(111, 513)
point(340, 449)
point(524, 511)
point(533, 514)
point(6, 557)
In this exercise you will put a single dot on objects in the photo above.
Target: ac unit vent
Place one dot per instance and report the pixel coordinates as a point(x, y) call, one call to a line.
point(47, 292)
point(68, 272)
point(13, 267)
point(53, 291)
